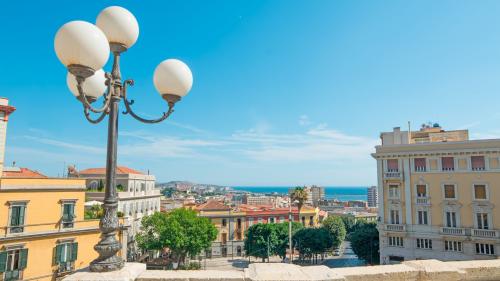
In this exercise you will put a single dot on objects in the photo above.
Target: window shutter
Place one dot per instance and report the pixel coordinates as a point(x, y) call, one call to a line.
point(14, 216)
point(59, 253)
point(23, 260)
point(72, 211)
point(3, 261)
point(74, 251)
point(21, 215)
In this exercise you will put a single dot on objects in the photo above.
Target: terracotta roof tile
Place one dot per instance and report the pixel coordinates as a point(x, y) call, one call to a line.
point(213, 205)
point(102, 171)
point(22, 173)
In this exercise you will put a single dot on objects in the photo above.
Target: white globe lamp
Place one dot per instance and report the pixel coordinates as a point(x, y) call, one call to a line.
point(119, 25)
point(172, 79)
point(93, 86)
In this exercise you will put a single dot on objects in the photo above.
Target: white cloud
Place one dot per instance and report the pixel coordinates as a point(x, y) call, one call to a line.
point(304, 120)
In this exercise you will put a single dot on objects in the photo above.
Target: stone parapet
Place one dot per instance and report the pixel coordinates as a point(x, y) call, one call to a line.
point(421, 270)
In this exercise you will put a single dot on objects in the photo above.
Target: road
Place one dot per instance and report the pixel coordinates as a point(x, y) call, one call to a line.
point(346, 259)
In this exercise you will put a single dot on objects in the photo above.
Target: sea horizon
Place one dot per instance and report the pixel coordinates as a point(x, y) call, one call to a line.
point(342, 193)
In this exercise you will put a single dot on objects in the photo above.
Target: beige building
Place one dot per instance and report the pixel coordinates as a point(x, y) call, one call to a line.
point(438, 195)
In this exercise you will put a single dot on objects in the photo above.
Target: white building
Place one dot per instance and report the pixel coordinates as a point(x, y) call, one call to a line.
point(137, 196)
point(372, 193)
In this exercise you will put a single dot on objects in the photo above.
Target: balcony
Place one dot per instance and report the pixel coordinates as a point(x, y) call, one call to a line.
point(423, 201)
point(454, 231)
point(392, 175)
point(395, 227)
point(484, 233)
point(420, 169)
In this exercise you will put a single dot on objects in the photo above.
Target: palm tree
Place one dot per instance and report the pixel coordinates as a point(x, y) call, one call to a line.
point(299, 194)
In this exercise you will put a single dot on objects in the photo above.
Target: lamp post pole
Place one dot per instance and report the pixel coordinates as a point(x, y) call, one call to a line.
point(84, 48)
point(290, 229)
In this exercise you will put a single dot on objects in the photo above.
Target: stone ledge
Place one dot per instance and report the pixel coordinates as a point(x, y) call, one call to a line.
point(129, 272)
point(421, 270)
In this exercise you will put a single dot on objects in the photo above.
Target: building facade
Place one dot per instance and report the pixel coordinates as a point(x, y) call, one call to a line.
point(372, 196)
point(137, 197)
point(43, 233)
point(438, 196)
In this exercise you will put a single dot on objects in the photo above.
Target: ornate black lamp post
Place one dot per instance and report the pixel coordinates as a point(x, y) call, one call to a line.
point(84, 49)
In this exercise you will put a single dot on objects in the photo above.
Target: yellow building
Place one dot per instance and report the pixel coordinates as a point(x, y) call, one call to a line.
point(230, 224)
point(43, 233)
point(439, 194)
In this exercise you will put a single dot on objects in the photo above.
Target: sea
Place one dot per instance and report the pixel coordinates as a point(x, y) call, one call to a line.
point(342, 193)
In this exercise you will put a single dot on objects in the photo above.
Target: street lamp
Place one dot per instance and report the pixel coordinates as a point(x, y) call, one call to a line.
point(84, 49)
point(290, 227)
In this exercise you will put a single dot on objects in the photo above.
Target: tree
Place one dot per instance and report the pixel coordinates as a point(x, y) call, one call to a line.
point(282, 233)
point(348, 223)
point(365, 242)
point(299, 194)
point(264, 240)
point(336, 228)
point(259, 239)
point(181, 231)
point(312, 241)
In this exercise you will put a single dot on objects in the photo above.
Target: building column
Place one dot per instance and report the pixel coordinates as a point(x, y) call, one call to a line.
point(380, 188)
point(407, 185)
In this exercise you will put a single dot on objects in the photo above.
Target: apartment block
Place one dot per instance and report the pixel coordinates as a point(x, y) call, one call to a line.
point(372, 196)
point(439, 195)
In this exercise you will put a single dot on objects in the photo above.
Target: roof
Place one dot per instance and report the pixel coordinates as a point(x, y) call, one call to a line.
point(270, 210)
point(102, 171)
point(18, 172)
point(213, 205)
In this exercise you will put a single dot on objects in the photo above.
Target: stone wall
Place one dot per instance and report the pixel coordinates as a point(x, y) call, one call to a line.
point(422, 270)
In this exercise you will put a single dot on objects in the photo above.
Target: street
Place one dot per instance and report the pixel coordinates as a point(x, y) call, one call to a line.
point(346, 259)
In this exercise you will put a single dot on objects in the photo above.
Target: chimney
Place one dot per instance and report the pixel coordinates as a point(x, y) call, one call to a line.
point(5, 111)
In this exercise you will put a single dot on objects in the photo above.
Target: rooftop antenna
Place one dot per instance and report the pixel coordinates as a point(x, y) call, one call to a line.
point(409, 132)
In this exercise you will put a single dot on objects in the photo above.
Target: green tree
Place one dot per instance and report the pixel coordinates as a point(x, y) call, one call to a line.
point(365, 242)
point(181, 231)
point(282, 232)
point(312, 241)
point(336, 228)
point(299, 194)
point(348, 223)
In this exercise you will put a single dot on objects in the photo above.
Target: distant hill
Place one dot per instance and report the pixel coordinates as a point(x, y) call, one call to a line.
point(191, 186)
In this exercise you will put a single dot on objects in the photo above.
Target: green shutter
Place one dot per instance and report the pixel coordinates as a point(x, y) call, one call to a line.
point(74, 251)
point(23, 259)
point(14, 216)
point(21, 215)
point(3, 261)
point(59, 253)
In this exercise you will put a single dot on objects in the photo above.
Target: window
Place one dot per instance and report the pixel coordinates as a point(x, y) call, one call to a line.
point(480, 192)
point(394, 217)
point(420, 164)
point(422, 217)
point(449, 191)
point(238, 223)
point(304, 221)
point(452, 246)
point(482, 220)
point(393, 191)
point(282, 219)
point(448, 163)
point(451, 219)
point(392, 165)
point(271, 220)
point(423, 243)
point(224, 238)
point(260, 220)
point(68, 214)
point(66, 255)
point(311, 220)
point(395, 241)
point(250, 221)
point(485, 249)
point(17, 212)
point(224, 222)
point(12, 263)
point(478, 163)
point(421, 190)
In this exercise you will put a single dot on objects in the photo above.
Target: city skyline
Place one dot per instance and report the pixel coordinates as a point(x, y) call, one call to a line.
point(280, 97)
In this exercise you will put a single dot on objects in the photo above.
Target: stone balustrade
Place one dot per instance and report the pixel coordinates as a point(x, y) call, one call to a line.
point(419, 270)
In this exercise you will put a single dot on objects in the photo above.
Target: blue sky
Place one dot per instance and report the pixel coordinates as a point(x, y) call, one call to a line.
point(285, 92)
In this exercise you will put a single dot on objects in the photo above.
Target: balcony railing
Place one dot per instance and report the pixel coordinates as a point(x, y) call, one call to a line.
point(448, 169)
point(453, 231)
point(423, 201)
point(395, 227)
point(393, 175)
point(486, 233)
point(420, 168)
point(478, 168)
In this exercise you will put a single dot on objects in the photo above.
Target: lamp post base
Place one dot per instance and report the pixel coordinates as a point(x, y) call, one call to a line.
point(107, 260)
point(111, 264)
